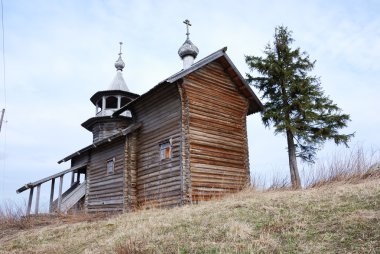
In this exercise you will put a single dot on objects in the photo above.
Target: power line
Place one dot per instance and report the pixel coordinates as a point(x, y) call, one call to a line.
point(5, 100)
point(2, 28)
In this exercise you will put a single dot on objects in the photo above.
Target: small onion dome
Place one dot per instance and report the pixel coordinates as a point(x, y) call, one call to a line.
point(119, 64)
point(188, 48)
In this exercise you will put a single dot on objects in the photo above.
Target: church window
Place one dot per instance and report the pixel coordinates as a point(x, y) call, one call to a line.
point(111, 166)
point(166, 150)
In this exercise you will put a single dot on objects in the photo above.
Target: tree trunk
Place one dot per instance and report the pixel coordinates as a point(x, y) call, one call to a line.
point(294, 175)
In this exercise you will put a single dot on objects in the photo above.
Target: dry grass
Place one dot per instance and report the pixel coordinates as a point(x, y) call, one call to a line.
point(350, 165)
point(13, 220)
point(338, 212)
point(346, 165)
point(337, 218)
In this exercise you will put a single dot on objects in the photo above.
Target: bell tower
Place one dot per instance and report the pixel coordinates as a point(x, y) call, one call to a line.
point(106, 102)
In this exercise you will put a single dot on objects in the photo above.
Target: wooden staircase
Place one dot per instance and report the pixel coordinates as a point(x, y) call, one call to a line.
point(70, 197)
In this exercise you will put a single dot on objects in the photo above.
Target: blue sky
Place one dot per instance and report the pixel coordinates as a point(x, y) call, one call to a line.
point(59, 53)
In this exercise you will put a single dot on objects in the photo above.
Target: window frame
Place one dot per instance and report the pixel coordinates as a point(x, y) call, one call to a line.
point(112, 160)
point(164, 145)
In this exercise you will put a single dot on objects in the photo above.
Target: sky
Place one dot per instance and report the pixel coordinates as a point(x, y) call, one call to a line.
point(59, 53)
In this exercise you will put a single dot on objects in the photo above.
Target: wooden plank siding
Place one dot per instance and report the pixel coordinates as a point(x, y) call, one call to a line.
point(105, 192)
point(215, 113)
point(158, 182)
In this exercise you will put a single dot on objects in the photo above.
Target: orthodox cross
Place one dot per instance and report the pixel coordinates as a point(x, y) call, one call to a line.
point(187, 22)
point(120, 48)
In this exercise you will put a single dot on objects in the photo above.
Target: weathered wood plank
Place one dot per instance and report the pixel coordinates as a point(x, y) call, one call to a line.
point(30, 185)
point(161, 114)
point(60, 193)
point(102, 185)
point(217, 133)
point(51, 195)
point(30, 201)
point(37, 199)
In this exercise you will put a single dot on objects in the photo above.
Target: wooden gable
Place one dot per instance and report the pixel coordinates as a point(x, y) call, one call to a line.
point(215, 113)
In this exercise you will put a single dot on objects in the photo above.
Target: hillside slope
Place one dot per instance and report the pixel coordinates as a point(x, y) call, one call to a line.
point(337, 218)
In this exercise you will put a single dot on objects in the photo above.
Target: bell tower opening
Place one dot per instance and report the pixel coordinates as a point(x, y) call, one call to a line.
point(108, 101)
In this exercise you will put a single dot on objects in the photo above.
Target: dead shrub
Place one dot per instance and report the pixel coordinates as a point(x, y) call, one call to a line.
point(350, 165)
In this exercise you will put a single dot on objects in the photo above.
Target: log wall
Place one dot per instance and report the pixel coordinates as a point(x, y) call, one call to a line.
point(105, 192)
point(158, 181)
point(216, 135)
point(130, 184)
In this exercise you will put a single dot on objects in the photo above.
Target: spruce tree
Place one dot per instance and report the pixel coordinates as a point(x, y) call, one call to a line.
point(294, 102)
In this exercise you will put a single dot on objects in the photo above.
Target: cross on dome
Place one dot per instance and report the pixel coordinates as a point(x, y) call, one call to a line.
point(187, 22)
point(119, 64)
point(188, 51)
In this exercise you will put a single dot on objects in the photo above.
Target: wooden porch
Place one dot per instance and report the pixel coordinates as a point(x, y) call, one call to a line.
point(65, 200)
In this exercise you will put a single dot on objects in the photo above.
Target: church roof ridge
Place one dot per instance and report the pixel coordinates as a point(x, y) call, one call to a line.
point(255, 106)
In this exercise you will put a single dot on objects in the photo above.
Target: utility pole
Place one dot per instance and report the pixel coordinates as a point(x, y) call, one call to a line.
point(2, 117)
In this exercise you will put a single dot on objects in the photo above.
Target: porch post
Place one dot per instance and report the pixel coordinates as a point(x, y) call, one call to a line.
point(78, 177)
point(37, 198)
point(60, 193)
point(51, 195)
point(30, 201)
point(72, 178)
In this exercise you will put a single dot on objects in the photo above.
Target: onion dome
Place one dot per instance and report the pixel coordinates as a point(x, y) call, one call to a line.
point(188, 49)
point(119, 64)
point(118, 83)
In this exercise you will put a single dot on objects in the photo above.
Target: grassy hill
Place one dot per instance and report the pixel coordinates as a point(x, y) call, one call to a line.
point(334, 218)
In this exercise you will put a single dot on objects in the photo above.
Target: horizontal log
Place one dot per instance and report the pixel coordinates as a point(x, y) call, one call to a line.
point(168, 195)
point(107, 190)
point(144, 194)
point(215, 136)
point(219, 99)
point(157, 181)
point(113, 182)
point(209, 152)
point(147, 189)
point(201, 165)
point(111, 195)
point(105, 202)
point(218, 173)
point(147, 174)
point(214, 86)
point(99, 210)
point(196, 140)
point(218, 162)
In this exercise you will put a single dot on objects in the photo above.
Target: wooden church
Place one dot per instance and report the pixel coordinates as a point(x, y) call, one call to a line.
point(183, 141)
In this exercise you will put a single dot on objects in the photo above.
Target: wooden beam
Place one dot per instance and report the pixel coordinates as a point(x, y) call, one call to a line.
point(37, 199)
point(51, 195)
point(30, 185)
point(60, 193)
point(30, 201)
point(72, 178)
